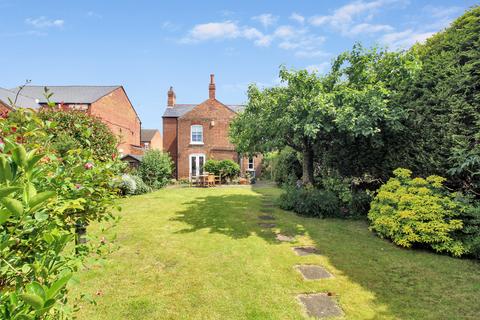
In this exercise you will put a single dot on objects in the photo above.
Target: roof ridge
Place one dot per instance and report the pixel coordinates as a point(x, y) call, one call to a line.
point(73, 85)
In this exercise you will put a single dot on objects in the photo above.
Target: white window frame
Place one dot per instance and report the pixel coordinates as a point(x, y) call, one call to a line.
point(197, 155)
point(252, 168)
point(196, 126)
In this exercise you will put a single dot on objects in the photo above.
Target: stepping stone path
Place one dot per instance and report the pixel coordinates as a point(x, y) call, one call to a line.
point(266, 210)
point(320, 305)
point(305, 251)
point(267, 225)
point(284, 238)
point(266, 217)
point(312, 272)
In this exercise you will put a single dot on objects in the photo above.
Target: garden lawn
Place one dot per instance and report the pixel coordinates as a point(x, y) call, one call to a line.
point(188, 253)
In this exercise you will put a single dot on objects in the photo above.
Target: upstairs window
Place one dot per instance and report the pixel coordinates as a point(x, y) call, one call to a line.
point(196, 136)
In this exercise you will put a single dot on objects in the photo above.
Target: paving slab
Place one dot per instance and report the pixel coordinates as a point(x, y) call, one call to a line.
point(284, 238)
point(268, 204)
point(266, 217)
point(267, 225)
point(305, 251)
point(313, 272)
point(266, 210)
point(320, 305)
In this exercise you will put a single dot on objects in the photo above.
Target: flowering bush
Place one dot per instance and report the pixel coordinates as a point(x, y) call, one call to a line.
point(72, 129)
point(133, 184)
point(45, 195)
point(417, 211)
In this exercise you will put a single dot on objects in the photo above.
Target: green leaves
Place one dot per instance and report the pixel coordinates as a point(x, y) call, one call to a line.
point(42, 298)
point(41, 198)
point(13, 205)
point(19, 155)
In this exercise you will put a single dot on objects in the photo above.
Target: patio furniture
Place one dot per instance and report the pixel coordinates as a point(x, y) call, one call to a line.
point(210, 180)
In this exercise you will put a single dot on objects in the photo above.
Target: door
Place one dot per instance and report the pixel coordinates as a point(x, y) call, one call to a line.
point(196, 164)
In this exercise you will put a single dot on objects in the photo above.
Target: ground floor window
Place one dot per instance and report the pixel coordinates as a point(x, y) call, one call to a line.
point(251, 164)
point(197, 162)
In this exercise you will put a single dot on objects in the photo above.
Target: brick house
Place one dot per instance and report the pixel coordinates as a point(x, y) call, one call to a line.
point(109, 103)
point(194, 133)
point(151, 139)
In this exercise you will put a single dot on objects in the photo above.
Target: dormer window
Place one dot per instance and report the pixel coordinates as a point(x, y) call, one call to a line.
point(196, 135)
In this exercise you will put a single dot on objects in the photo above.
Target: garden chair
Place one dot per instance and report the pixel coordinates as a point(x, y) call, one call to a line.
point(211, 180)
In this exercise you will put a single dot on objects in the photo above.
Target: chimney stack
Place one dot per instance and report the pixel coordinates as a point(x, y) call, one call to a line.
point(211, 87)
point(171, 98)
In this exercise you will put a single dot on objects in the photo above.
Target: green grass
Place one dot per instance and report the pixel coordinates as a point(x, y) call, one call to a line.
point(199, 254)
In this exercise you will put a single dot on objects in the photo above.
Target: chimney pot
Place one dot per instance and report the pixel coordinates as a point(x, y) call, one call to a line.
point(211, 87)
point(171, 98)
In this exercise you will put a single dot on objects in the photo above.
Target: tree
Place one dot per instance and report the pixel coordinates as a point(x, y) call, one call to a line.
point(444, 104)
point(352, 100)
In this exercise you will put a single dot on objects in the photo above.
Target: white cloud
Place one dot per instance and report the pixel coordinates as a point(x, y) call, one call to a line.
point(311, 54)
point(214, 30)
point(169, 26)
point(225, 30)
point(318, 68)
point(299, 40)
point(297, 17)
point(93, 14)
point(344, 17)
point(404, 39)
point(266, 19)
point(366, 28)
point(43, 22)
point(285, 32)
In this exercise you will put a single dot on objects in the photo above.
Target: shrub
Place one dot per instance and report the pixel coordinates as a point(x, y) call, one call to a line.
point(417, 211)
point(469, 235)
point(141, 187)
point(309, 201)
point(45, 195)
point(128, 185)
point(76, 129)
point(212, 166)
point(155, 169)
point(282, 167)
point(227, 169)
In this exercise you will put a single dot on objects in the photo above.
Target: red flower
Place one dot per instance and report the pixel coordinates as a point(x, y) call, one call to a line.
point(14, 129)
point(88, 165)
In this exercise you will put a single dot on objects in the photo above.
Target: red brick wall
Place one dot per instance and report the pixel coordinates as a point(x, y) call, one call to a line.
point(257, 164)
point(170, 138)
point(118, 113)
point(4, 108)
point(156, 142)
point(216, 144)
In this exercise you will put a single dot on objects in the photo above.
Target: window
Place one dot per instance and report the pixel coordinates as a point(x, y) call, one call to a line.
point(146, 145)
point(196, 136)
point(251, 164)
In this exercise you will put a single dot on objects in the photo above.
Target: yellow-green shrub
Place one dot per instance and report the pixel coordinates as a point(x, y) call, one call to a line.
point(416, 211)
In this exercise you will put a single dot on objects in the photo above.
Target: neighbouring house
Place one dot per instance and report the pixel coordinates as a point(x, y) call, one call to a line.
point(194, 133)
point(151, 139)
point(109, 103)
point(7, 97)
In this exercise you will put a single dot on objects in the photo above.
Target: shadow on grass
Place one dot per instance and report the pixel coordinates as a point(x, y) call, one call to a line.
point(409, 284)
point(236, 216)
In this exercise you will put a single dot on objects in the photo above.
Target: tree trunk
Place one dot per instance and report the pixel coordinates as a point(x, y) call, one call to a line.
point(307, 177)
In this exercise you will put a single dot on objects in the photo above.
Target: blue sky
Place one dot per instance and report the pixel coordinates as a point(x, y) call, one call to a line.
point(147, 46)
